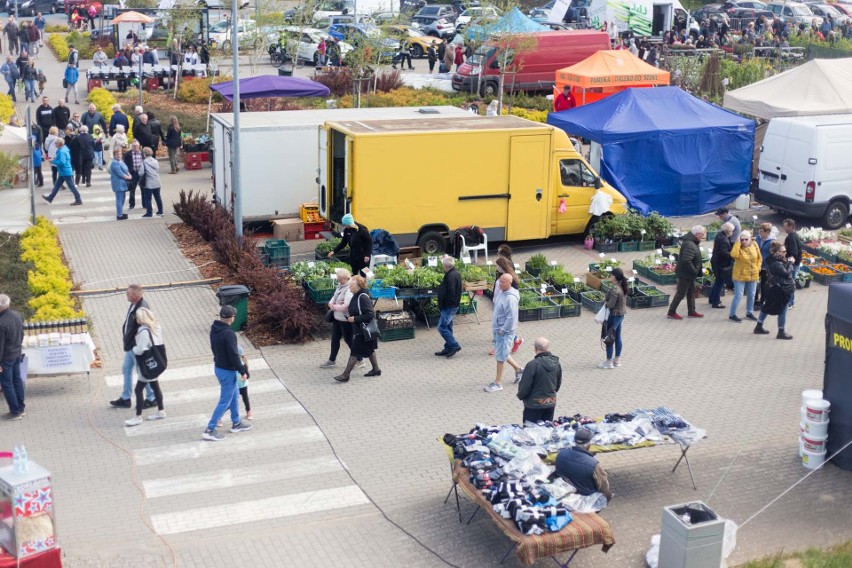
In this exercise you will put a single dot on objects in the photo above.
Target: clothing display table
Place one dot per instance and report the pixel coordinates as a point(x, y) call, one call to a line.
point(586, 529)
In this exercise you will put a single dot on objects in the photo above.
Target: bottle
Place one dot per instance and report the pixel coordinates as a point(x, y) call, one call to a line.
point(16, 461)
point(23, 457)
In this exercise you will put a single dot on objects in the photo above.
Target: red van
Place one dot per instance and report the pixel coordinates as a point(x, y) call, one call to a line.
point(536, 70)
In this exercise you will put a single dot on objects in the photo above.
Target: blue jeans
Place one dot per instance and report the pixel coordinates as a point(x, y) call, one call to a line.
point(445, 328)
point(11, 92)
point(782, 317)
point(29, 89)
point(99, 158)
point(13, 386)
point(792, 301)
point(119, 203)
point(739, 287)
point(127, 370)
point(64, 179)
point(614, 322)
point(716, 290)
point(229, 397)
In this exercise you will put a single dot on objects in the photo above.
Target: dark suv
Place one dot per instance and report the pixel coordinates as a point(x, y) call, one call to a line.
point(437, 11)
point(32, 7)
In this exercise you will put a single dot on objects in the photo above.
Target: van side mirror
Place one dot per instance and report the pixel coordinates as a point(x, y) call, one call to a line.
point(495, 64)
point(598, 182)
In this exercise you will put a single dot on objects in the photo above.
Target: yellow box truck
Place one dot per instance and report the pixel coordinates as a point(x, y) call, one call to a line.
point(421, 180)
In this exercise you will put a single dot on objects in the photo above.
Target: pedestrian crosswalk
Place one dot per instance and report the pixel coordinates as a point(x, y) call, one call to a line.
point(281, 469)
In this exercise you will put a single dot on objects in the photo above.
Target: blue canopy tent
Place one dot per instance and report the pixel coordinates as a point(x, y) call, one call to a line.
point(666, 150)
point(512, 22)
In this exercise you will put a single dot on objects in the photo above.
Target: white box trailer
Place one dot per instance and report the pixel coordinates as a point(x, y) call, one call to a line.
point(279, 154)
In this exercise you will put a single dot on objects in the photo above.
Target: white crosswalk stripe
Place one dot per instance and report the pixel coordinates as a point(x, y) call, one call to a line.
point(184, 373)
point(211, 394)
point(199, 421)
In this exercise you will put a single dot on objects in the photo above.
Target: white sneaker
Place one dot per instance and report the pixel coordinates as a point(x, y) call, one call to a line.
point(135, 421)
point(519, 375)
point(493, 387)
point(606, 365)
point(616, 362)
point(157, 415)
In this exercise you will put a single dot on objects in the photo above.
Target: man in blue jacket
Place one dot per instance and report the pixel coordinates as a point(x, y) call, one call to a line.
point(580, 468)
point(227, 364)
point(65, 173)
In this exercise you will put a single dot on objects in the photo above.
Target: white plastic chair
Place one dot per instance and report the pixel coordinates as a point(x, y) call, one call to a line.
point(381, 259)
point(467, 249)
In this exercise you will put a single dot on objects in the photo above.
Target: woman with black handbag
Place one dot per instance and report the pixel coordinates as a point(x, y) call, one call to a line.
point(151, 362)
point(365, 330)
point(780, 286)
point(616, 300)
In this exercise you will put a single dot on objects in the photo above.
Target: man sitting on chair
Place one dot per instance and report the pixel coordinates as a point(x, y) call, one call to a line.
point(580, 468)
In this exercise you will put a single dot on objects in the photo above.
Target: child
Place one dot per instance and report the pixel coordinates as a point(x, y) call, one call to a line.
point(243, 386)
point(37, 160)
point(42, 79)
point(99, 147)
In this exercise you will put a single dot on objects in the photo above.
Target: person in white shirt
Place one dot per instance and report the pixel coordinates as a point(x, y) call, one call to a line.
point(190, 57)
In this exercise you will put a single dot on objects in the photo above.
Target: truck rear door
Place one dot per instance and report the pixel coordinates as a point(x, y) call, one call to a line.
point(528, 187)
point(322, 173)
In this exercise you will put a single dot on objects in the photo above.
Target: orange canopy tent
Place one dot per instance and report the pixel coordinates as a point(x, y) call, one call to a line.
point(606, 73)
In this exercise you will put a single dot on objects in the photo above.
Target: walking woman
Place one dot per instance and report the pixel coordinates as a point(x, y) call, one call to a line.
point(766, 234)
point(721, 263)
point(149, 334)
point(151, 183)
point(360, 312)
point(616, 303)
point(779, 288)
point(50, 149)
point(746, 273)
point(340, 326)
point(172, 142)
point(119, 175)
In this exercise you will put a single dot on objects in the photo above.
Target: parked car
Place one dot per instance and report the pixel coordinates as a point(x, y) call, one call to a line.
point(32, 7)
point(711, 12)
point(411, 6)
point(304, 42)
point(437, 11)
point(794, 12)
point(220, 33)
point(475, 12)
point(750, 14)
point(219, 5)
point(826, 10)
point(434, 26)
point(324, 10)
point(737, 4)
point(359, 34)
point(418, 42)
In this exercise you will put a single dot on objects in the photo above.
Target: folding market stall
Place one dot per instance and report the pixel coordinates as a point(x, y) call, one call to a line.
point(606, 73)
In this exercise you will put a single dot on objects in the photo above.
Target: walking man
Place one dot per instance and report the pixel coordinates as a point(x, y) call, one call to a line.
point(65, 173)
point(11, 30)
point(129, 329)
point(11, 337)
point(540, 382)
point(228, 366)
point(504, 324)
point(449, 296)
point(11, 74)
point(687, 271)
point(44, 117)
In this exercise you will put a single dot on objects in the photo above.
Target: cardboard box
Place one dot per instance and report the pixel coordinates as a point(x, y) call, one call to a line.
point(290, 230)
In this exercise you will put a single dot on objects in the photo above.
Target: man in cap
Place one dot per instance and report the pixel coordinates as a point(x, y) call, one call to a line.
point(580, 468)
point(564, 100)
point(357, 237)
point(228, 365)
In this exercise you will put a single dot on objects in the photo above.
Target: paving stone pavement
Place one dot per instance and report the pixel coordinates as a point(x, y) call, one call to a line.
point(369, 448)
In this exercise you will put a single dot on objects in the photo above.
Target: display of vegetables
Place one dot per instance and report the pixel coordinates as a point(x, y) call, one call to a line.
point(537, 261)
point(532, 300)
point(314, 270)
point(326, 247)
point(560, 278)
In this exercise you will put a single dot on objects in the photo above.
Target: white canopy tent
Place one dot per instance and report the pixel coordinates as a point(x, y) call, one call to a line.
point(820, 86)
point(15, 204)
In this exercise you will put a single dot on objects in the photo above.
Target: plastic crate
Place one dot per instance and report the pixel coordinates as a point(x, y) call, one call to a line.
point(397, 334)
point(192, 160)
point(569, 310)
point(656, 300)
point(469, 308)
point(403, 293)
point(312, 230)
point(829, 256)
point(640, 270)
point(399, 319)
point(430, 320)
point(318, 294)
point(825, 279)
point(628, 246)
point(664, 279)
point(574, 293)
point(646, 245)
point(548, 312)
point(638, 301)
point(532, 270)
point(603, 246)
point(277, 248)
point(531, 314)
point(589, 303)
point(309, 213)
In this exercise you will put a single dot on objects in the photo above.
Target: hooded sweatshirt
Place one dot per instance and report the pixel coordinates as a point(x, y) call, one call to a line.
point(504, 319)
point(540, 382)
point(223, 343)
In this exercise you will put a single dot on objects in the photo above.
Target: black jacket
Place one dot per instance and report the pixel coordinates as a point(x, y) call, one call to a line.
point(86, 144)
point(793, 244)
point(721, 258)
point(689, 261)
point(118, 118)
point(156, 134)
point(92, 120)
point(142, 132)
point(11, 335)
point(361, 299)
point(450, 290)
point(223, 343)
point(781, 274)
point(44, 116)
point(172, 139)
point(360, 243)
point(540, 382)
point(61, 116)
point(130, 326)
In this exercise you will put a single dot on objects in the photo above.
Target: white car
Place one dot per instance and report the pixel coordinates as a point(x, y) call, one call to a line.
point(220, 33)
point(308, 42)
point(476, 12)
point(219, 5)
point(328, 8)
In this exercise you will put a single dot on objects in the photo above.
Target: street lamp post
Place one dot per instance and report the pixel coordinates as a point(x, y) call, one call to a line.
point(235, 141)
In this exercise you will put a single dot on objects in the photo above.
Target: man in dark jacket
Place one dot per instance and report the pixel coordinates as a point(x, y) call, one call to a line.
point(118, 117)
point(721, 263)
point(142, 132)
point(11, 337)
point(227, 364)
point(93, 118)
point(128, 331)
point(86, 146)
point(449, 297)
point(357, 237)
point(11, 31)
point(133, 160)
point(793, 244)
point(688, 269)
point(61, 115)
point(580, 468)
point(540, 382)
point(44, 117)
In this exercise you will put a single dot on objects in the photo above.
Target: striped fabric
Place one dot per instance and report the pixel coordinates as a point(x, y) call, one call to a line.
point(587, 529)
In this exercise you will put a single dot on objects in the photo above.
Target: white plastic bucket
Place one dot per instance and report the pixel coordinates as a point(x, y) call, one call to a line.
point(811, 394)
point(813, 444)
point(817, 410)
point(816, 428)
point(812, 460)
point(801, 447)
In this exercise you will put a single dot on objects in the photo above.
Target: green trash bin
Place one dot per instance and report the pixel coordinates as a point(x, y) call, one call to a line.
point(236, 296)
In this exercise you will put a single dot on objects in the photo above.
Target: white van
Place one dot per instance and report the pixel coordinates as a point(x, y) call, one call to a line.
point(805, 167)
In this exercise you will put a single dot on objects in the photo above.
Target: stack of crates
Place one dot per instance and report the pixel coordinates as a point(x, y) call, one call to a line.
point(192, 160)
point(276, 253)
point(309, 214)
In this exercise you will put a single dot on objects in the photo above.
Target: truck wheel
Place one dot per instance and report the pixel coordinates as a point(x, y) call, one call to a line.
point(417, 52)
point(835, 215)
point(432, 243)
point(488, 89)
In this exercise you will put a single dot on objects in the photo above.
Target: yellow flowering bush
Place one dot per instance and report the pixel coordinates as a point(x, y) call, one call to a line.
point(50, 281)
point(406, 97)
point(59, 46)
point(529, 114)
point(7, 108)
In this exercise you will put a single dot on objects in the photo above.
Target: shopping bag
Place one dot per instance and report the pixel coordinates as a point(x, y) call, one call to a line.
point(602, 315)
point(153, 361)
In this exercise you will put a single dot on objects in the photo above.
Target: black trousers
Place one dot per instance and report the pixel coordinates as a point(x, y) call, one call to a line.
point(536, 414)
point(684, 288)
point(761, 287)
point(339, 330)
point(139, 390)
point(131, 191)
point(244, 394)
point(39, 177)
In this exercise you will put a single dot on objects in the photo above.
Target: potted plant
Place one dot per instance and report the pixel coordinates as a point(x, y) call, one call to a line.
point(658, 228)
point(536, 264)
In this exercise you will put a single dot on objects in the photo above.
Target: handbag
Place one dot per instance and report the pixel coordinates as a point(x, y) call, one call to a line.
point(153, 360)
point(370, 330)
point(329, 316)
point(607, 334)
point(64, 84)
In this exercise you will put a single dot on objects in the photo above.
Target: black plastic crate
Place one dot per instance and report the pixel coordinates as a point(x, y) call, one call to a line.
point(398, 319)
point(589, 303)
point(548, 312)
point(569, 310)
point(531, 314)
point(397, 334)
